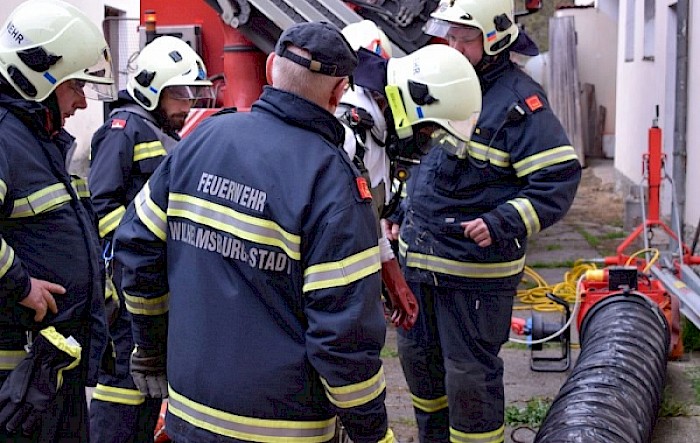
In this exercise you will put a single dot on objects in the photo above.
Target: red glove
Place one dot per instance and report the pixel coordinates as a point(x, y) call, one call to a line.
point(403, 302)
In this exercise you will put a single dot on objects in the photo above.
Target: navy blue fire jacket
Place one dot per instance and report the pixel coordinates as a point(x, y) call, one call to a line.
point(132, 139)
point(48, 231)
point(520, 176)
point(253, 247)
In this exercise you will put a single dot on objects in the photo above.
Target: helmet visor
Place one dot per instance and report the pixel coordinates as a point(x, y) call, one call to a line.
point(97, 81)
point(463, 128)
point(201, 96)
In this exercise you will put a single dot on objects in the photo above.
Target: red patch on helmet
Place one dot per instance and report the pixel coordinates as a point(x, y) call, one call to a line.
point(534, 103)
point(118, 123)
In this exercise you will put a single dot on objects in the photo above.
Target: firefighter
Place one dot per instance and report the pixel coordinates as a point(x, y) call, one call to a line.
point(52, 57)
point(167, 79)
point(366, 137)
point(250, 260)
point(464, 226)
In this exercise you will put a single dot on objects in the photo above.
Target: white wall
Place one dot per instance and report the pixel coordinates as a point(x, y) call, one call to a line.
point(645, 83)
point(85, 122)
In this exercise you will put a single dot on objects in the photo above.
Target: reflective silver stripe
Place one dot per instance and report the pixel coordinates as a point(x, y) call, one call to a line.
point(109, 222)
point(81, 187)
point(497, 436)
point(149, 213)
point(41, 201)
point(357, 394)
point(492, 155)
point(122, 396)
point(225, 219)
point(143, 151)
point(464, 269)
point(248, 428)
point(429, 405)
point(147, 306)
point(3, 191)
point(10, 359)
point(528, 214)
point(543, 159)
point(343, 272)
point(7, 256)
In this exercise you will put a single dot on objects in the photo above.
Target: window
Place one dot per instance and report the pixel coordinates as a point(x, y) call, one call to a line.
point(649, 29)
point(629, 30)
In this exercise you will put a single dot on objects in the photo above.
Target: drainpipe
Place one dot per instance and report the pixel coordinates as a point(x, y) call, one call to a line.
point(680, 152)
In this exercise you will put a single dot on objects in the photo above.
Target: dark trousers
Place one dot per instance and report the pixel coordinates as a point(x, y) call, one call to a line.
point(450, 360)
point(112, 418)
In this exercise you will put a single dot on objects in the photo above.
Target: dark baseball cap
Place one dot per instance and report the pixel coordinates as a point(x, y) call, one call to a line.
point(331, 54)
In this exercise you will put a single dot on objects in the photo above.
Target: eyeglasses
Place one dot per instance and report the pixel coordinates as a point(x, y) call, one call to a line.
point(461, 34)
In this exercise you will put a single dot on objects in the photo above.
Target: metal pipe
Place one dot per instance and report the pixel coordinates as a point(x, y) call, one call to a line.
point(680, 151)
point(614, 392)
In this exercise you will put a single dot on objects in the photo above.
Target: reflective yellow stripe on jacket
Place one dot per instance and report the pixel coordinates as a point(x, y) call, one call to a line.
point(122, 396)
point(149, 213)
point(146, 150)
point(48, 198)
point(461, 269)
point(225, 219)
point(10, 359)
point(541, 160)
point(248, 428)
point(7, 256)
point(356, 394)
point(527, 214)
point(147, 306)
point(3, 191)
point(343, 272)
point(109, 222)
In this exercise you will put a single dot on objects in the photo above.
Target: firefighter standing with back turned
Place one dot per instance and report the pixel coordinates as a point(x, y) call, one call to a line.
point(250, 260)
point(464, 228)
point(167, 79)
point(52, 57)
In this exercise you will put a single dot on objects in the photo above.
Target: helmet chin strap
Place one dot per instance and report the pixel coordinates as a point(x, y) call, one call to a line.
point(55, 118)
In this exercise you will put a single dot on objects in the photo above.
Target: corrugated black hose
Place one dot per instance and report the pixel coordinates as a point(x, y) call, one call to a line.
point(614, 392)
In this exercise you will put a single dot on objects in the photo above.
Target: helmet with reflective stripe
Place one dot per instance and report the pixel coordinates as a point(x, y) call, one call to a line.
point(366, 34)
point(435, 84)
point(46, 42)
point(168, 62)
point(495, 19)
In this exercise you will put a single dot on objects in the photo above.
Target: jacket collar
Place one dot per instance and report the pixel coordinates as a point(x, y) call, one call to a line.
point(298, 111)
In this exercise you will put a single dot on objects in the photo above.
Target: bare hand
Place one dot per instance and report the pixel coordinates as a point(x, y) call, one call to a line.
point(478, 231)
point(40, 298)
point(391, 230)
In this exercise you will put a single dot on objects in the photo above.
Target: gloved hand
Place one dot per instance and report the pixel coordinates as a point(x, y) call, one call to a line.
point(404, 305)
point(33, 384)
point(148, 372)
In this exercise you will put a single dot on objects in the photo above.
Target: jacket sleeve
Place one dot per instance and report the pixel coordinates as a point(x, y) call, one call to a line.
point(14, 278)
point(140, 247)
point(546, 163)
point(346, 322)
point(112, 154)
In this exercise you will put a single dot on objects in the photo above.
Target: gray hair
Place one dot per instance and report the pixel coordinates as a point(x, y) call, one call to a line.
point(294, 78)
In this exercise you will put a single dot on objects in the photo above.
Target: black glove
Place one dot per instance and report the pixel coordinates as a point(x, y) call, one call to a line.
point(148, 372)
point(33, 384)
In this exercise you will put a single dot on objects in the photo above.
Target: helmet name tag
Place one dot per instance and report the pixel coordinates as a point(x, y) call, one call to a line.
point(13, 37)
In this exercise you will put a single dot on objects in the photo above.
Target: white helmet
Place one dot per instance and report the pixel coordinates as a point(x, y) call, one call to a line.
point(434, 84)
point(47, 42)
point(168, 62)
point(366, 34)
point(495, 19)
